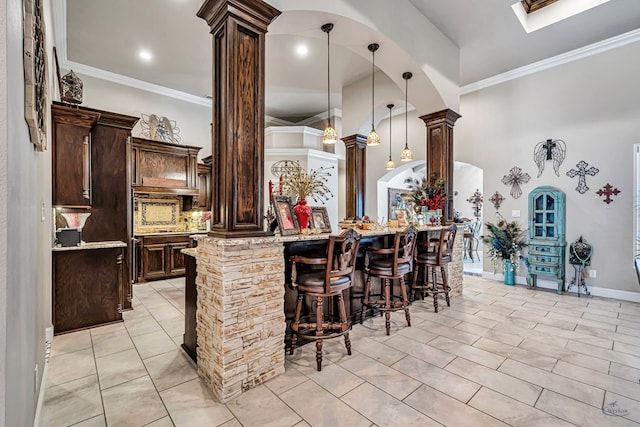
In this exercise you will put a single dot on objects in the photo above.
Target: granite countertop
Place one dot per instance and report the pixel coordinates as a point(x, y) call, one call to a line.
point(171, 233)
point(190, 251)
point(91, 245)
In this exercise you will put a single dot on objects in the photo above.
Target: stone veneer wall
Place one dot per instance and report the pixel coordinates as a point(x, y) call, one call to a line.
point(240, 313)
point(455, 267)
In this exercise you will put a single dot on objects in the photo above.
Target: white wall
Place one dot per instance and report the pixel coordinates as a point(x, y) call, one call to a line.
point(467, 179)
point(593, 105)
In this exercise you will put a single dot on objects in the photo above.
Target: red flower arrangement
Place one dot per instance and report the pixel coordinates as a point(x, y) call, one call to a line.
point(429, 193)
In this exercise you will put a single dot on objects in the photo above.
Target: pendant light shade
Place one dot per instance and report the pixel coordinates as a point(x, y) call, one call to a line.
point(390, 164)
point(406, 154)
point(373, 138)
point(329, 135)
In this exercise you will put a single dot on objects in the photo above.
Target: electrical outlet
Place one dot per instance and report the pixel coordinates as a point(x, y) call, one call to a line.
point(515, 213)
point(592, 273)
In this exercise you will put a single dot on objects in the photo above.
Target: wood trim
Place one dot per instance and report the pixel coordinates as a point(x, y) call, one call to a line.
point(533, 5)
point(356, 171)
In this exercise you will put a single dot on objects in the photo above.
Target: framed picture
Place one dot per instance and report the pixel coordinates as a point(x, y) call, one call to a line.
point(320, 219)
point(402, 215)
point(287, 222)
point(395, 200)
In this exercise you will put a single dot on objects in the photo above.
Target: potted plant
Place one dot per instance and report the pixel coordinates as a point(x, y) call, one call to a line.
point(427, 195)
point(506, 240)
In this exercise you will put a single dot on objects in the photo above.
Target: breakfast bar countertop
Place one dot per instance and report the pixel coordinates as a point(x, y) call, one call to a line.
point(91, 245)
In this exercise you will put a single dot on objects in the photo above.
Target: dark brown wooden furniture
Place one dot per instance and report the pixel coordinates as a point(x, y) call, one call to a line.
point(434, 254)
point(190, 338)
point(164, 168)
point(356, 169)
point(203, 200)
point(87, 286)
point(71, 155)
point(388, 264)
point(239, 30)
point(334, 276)
point(160, 256)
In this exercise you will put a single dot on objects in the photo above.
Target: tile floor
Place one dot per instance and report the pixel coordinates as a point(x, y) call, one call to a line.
point(498, 356)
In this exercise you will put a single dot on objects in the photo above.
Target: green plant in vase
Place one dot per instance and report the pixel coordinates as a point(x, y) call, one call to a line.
point(506, 240)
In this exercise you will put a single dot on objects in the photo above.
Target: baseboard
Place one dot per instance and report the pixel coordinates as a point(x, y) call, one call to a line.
point(553, 285)
point(43, 386)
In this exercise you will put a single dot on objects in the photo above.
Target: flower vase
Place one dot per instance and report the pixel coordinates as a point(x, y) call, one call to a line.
point(303, 213)
point(509, 273)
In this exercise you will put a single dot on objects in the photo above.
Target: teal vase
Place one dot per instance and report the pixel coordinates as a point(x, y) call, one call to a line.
point(509, 273)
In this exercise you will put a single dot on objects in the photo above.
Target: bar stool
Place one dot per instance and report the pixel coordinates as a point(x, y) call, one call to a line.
point(434, 254)
point(471, 237)
point(388, 264)
point(329, 281)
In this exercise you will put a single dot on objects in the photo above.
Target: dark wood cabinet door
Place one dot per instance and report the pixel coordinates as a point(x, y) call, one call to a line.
point(87, 288)
point(154, 261)
point(204, 187)
point(176, 258)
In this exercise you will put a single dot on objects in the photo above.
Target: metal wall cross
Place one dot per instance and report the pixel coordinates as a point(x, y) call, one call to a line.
point(476, 201)
point(514, 178)
point(582, 172)
point(608, 191)
point(497, 199)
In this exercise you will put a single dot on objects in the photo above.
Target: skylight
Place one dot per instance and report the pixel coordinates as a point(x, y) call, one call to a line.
point(552, 13)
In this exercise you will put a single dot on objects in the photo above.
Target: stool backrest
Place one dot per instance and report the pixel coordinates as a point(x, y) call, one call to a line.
point(404, 245)
point(447, 238)
point(342, 252)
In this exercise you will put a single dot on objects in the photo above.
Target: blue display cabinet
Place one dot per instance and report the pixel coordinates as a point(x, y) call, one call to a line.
point(546, 239)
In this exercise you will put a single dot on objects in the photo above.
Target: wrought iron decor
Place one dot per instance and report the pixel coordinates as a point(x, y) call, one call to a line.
point(160, 128)
point(514, 178)
point(555, 150)
point(35, 73)
point(579, 256)
point(582, 172)
point(476, 201)
point(497, 199)
point(607, 191)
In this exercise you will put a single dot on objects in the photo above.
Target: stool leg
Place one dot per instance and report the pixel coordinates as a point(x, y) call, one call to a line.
point(434, 288)
point(365, 299)
point(319, 332)
point(405, 301)
point(294, 325)
point(344, 324)
point(445, 285)
point(387, 304)
point(414, 282)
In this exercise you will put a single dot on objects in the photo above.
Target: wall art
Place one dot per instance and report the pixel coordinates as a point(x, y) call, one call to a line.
point(160, 128)
point(514, 178)
point(607, 191)
point(555, 150)
point(497, 199)
point(581, 171)
point(476, 201)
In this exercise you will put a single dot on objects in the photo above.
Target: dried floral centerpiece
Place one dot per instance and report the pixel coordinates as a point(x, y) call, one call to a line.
point(427, 192)
point(506, 240)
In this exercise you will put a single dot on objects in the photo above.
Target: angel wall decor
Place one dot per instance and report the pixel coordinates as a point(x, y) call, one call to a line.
point(555, 150)
point(160, 128)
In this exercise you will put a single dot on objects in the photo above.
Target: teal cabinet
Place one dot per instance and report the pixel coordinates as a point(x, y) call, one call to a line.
point(546, 239)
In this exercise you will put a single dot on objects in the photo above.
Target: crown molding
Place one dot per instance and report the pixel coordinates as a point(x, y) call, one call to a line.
point(308, 152)
point(573, 55)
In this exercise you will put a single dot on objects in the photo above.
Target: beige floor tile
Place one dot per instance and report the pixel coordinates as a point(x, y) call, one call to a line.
point(98, 421)
point(513, 412)
point(154, 343)
point(453, 333)
point(260, 407)
point(319, 407)
point(626, 348)
point(422, 351)
point(170, 369)
point(614, 356)
point(107, 329)
point(576, 412)
point(525, 356)
point(559, 353)
point(134, 403)
point(575, 336)
point(385, 378)
point(492, 334)
point(141, 325)
point(118, 368)
point(191, 404)
point(465, 308)
point(584, 320)
point(568, 387)
point(438, 378)
point(632, 317)
point(235, 423)
point(603, 304)
point(447, 410)
point(514, 328)
point(470, 318)
point(369, 401)
point(625, 372)
point(622, 406)
point(618, 336)
point(382, 352)
point(468, 352)
point(164, 311)
point(508, 385)
point(611, 320)
point(428, 315)
point(291, 378)
point(488, 314)
point(334, 378)
point(68, 343)
point(71, 402)
point(600, 380)
point(601, 312)
point(162, 422)
point(173, 326)
point(499, 309)
point(112, 342)
point(634, 332)
point(70, 366)
point(139, 310)
point(421, 334)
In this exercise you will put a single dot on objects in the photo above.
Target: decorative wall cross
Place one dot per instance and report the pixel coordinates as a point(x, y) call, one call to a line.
point(582, 172)
point(514, 178)
point(476, 201)
point(554, 150)
point(608, 191)
point(497, 200)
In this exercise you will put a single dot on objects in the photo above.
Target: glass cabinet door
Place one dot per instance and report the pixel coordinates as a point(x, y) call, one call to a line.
point(544, 217)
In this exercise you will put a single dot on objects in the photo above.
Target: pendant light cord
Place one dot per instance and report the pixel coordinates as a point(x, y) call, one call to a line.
point(390, 107)
point(328, 79)
point(406, 113)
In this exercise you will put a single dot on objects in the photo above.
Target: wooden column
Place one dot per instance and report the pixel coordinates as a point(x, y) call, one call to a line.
point(356, 174)
point(238, 28)
point(440, 151)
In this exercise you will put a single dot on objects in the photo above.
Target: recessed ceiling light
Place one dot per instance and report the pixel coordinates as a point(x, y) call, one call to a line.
point(145, 55)
point(302, 50)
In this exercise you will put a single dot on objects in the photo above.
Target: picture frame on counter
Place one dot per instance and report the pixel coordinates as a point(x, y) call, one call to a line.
point(320, 219)
point(287, 221)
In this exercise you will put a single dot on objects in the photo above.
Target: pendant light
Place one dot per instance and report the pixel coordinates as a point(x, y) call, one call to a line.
point(390, 164)
point(329, 135)
point(373, 138)
point(406, 154)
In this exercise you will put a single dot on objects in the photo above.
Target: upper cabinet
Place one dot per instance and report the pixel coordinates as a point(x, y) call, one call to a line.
point(204, 187)
point(71, 155)
point(161, 167)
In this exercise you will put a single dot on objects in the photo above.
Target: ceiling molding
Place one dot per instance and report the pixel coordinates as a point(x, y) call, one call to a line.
point(309, 152)
point(573, 55)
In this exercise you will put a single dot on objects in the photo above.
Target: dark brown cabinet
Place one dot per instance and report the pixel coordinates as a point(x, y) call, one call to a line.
point(88, 284)
point(204, 187)
point(71, 155)
point(160, 257)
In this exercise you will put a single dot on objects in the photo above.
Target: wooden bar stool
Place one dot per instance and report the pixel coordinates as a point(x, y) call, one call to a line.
point(388, 264)
point(334, 276)
point(434, 254)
